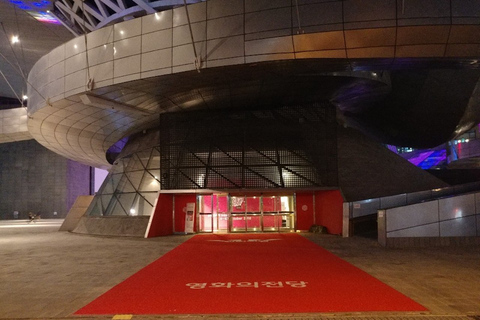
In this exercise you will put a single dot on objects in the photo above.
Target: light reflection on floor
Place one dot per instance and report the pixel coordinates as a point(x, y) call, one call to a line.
point(29, 224)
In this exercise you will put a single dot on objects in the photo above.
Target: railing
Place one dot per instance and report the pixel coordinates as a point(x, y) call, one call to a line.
point(370, 206)
point(431, 222)
point(367, 207)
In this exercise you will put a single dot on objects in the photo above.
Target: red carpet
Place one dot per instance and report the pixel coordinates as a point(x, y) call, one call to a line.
point(249, 273)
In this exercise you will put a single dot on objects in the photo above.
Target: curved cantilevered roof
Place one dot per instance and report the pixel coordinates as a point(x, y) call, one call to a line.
point(403, 74)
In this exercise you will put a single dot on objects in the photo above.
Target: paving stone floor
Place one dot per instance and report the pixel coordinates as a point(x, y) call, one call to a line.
point(46, 274)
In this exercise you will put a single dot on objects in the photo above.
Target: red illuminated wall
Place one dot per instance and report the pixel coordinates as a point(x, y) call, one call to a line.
point(329, 210)
point(304, 208)
point(162, 223)
point(181, 201)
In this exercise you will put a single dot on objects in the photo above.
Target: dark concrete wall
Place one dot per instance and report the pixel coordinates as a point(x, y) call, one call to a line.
point(457, 176)
point(78, 182)
point(369, 170)
point(33, 178)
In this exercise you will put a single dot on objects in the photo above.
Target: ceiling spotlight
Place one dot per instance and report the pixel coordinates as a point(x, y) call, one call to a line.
point(24, 97)
point(15, 39)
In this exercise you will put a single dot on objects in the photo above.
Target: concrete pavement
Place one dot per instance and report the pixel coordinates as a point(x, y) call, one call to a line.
point(46, 274)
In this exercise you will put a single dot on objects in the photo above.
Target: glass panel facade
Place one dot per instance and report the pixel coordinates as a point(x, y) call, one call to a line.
point(131, 187)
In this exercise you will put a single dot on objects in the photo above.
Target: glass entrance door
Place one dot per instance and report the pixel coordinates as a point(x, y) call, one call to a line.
point(213, 214)
point(253, 216)
point(238, 207)
point(205, 213)
point(262, 213)
point(245, 213)
point(278, 213)
point(221, 213)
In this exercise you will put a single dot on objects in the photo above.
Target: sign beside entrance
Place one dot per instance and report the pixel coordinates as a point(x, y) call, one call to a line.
point(189, 214)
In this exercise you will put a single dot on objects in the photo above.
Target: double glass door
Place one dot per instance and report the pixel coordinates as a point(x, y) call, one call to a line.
point(213, 215)
point(245, 213)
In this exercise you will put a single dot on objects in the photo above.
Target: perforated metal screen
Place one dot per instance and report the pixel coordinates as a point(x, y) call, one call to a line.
point(290, 147)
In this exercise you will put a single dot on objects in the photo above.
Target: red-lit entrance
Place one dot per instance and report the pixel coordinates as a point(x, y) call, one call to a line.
point(241, 212)
point(222, 213)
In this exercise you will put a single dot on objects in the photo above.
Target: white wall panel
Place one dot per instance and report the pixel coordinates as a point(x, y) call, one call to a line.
point(478, 224)
point(259, 5)
point(100, 37)
point(57, 55)
point(157, 40)
point(196, 12)
point(56, 71)
point(126, 66)
point(182, 35)
point(462, 227)
point(429, 230)
point(456, 207)
point(56, 90)
point(158, 21)
point(127, 29)
point(156, 60)
point(75, 63)
point(226, 48)
point(225, 27)
point(76, 80)
point(74, 47)
point(102, 72)
point(127, 47)
point(222, 8)
point(413, 215)
point(267, 46)
point(274, 19)
point(225, 62)
point(100, 54)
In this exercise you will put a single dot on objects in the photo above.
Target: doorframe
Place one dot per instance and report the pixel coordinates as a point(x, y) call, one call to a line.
point(230, 213)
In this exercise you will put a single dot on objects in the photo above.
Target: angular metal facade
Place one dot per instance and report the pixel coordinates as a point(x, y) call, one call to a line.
point(289, 147)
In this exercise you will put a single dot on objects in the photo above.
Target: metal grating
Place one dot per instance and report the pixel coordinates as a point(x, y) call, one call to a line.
point(286, 147)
